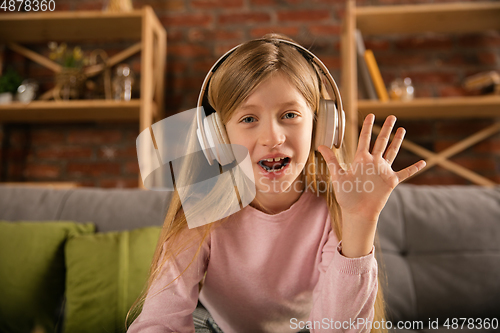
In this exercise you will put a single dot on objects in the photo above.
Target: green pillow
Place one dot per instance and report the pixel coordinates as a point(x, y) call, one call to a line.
point(106, 272)
point(32, 272)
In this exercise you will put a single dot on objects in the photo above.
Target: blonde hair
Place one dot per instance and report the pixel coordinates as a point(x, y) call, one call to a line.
point(235, 79)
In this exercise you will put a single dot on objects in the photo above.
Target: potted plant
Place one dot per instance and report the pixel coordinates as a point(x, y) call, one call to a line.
point(69, 81)
point(9, 82)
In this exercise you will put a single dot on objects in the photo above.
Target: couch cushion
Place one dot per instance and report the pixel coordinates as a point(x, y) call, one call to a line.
point(32, 272)
point(106, 272)
point(441, 251)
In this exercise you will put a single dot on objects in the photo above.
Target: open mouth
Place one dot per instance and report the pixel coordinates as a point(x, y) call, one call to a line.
point(274, 165)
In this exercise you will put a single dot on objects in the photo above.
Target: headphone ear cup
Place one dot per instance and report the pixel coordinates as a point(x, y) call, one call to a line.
point(213, 140)
point(225, 154)
point(326, 124)
point(340, 136)
point(206, 150)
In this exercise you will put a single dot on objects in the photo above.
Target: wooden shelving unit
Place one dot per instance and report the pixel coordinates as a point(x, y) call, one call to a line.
point(450, 107)
point(84, 26)
point(457, 17)
point(403, 19)
point(72, 110)
point(139, 26)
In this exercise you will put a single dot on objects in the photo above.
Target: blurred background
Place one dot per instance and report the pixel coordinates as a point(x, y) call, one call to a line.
point(86, 149)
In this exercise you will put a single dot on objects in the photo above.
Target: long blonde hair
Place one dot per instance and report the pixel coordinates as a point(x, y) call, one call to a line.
point(236, 78)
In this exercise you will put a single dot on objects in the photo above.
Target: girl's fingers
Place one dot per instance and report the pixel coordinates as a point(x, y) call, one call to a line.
point(393, 149)
point(366, 133)
point(410, 171)
point(383, 136)
point(330, 159)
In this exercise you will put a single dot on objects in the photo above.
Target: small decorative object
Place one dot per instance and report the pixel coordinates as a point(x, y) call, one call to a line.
point(122, 83)
point(483, 83)
point(5, 98)
point(27, 91)
point(69, 81)
point(396, 89)
point(9, 82)
point(103, 86)
point(402, 89)
point(118, 5)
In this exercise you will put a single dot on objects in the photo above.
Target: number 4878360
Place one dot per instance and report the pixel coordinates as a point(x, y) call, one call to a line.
point(28, 5)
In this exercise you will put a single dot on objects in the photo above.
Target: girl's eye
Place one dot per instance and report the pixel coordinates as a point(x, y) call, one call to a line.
point(246, 118)
point(293, 114)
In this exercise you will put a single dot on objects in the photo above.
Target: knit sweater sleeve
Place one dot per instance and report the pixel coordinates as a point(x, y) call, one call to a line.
point(170, 309)
point(346, 291)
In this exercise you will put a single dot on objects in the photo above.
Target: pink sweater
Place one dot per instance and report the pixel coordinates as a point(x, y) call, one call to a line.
point(267, 273)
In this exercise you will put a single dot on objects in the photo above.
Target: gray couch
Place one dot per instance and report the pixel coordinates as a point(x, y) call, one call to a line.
point(441, 249)
point(110, 210)
point(440, 244)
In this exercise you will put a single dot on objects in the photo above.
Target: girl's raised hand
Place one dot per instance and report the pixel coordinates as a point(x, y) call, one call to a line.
point(363, 188)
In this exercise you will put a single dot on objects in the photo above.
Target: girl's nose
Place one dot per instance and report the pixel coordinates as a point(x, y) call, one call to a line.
point(271, 135)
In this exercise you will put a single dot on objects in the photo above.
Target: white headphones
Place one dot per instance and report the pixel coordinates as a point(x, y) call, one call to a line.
point(330, 125)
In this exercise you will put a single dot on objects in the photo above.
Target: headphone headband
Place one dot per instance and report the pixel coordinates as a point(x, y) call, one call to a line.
point(305, 52)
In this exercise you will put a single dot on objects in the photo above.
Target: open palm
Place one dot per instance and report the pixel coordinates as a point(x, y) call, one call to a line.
point(363, 187)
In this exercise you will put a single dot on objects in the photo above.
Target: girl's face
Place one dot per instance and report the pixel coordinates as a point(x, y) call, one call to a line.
point(274, 122)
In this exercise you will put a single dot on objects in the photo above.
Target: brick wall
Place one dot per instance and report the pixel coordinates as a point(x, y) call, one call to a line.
point(93, 155)
point(199, 32)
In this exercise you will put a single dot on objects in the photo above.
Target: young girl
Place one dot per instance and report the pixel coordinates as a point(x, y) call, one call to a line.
point(301, 255)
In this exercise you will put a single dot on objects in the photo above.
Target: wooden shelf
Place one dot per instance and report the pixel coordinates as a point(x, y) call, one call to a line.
point(457, 17)
point(445, 18)
point(72, 110)
point(53, 185)
point(142, 26)
point(78, 26)
point(450, 107)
